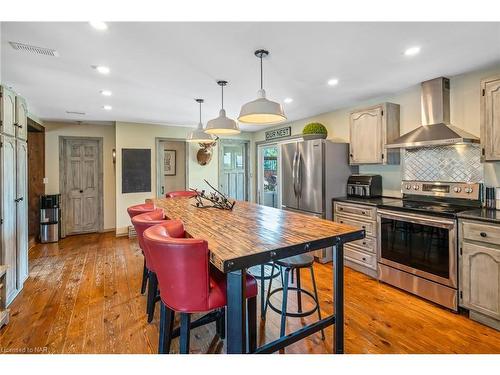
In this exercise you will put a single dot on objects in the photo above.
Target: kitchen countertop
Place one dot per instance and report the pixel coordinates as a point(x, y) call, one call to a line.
point(368, 201)
point(482, 214)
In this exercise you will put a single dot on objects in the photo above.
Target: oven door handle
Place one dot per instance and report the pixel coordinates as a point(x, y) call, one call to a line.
point(442, 222)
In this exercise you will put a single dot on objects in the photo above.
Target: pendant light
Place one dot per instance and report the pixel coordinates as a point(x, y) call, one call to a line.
point(222, 124)
point(199, 135)
point(262, 111)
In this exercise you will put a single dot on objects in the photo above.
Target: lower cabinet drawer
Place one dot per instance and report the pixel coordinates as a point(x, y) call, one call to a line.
point(368, 226)
point(360, 257)
point(481, 232)
point(367, 244)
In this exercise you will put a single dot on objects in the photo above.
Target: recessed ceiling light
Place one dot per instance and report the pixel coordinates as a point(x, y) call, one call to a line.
point(101, 69)
point(333, 82)
point(288, 100)
point(106, 92)
point(107, 108)
point(98, 25)
point(412, 51)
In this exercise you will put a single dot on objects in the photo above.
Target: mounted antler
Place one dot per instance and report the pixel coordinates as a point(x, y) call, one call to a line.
point(219, 200)
point(204, 154)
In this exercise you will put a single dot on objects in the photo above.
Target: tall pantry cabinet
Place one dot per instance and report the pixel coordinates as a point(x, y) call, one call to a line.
point(14, 191)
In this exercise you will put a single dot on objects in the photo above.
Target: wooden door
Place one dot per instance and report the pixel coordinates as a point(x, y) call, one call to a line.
point(22, 211)
point(21, 118)
point(480, 279)
point(233, 169)
point(366, 136)
point(8, 111)
point(490, 118)
point(82, 179)
point(8, 214)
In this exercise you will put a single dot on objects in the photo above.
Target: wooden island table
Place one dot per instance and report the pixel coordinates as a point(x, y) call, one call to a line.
point(252, 235)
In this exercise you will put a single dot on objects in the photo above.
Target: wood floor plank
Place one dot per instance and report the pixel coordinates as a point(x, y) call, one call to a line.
point(83, 296)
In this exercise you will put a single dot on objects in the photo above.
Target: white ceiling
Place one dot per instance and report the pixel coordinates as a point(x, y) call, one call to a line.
point(157, 69)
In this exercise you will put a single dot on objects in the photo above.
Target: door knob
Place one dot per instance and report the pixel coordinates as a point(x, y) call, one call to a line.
point(81, 191)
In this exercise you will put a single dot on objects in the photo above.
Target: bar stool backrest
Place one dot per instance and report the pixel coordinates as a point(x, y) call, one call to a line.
point(182, 268)
point(181, 193)
point(141, 223)
point(140, 209)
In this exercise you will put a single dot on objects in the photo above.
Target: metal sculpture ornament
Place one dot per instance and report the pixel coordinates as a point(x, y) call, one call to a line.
point(216, 198)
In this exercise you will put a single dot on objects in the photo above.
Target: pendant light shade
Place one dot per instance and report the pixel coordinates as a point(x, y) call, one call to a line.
point(222, 124)
point(198, 135)
point(262, 111)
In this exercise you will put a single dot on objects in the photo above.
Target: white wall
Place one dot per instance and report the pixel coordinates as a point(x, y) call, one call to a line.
point(52, 133)
point(465, 97)
point(134, 135)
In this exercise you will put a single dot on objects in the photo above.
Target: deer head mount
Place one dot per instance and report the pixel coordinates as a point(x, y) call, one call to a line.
point(204, 154)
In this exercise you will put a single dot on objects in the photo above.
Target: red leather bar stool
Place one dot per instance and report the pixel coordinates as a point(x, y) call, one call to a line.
point(181, 193)
point(189, 284)
point(134, 211)
point(141, 223)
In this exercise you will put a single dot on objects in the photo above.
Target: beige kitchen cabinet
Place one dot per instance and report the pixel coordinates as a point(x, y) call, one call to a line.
point(21, 123)
point(479, 267)
point(370, 129)
point(360, 255)
point(490, 118)
point(7, 111)
point(14, 195)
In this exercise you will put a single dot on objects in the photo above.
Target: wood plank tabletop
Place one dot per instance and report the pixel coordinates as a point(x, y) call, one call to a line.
point(252, 234)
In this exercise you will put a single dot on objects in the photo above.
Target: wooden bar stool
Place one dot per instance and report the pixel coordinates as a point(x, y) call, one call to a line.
point(291, 264)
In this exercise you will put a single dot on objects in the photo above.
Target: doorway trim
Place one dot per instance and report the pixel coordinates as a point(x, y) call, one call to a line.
point(260, 171)
point(62, 179)
point(158, 140)
point(230, 141)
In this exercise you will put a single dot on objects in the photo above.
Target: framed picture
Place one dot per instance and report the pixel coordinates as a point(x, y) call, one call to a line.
point(169, 162)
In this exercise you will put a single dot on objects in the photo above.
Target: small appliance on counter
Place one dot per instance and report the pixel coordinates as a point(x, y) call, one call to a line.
point(364, 185)
point(50, 218)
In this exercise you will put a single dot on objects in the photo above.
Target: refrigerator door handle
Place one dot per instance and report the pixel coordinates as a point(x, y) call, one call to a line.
point(299, 175)
point(294, 172)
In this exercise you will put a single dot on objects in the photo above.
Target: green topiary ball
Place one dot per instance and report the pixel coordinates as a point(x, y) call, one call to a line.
point(315, 128)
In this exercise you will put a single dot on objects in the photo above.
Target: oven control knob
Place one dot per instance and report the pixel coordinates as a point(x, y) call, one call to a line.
point(468, 190)
point(408, 186)
point(416, 187)
point(457, 189)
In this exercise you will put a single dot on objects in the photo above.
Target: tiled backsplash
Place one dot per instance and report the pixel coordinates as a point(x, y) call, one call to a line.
point(454, 163)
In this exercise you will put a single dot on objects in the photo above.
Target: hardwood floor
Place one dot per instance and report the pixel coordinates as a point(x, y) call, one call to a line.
point(82, 296)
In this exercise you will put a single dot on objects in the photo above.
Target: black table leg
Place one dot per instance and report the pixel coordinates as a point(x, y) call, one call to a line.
point(236, 312)
point(339, 297)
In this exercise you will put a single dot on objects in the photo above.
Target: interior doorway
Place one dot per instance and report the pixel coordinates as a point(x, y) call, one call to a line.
point(81, 184)
point(171, 166)
point(268, 181)
point(233, 168)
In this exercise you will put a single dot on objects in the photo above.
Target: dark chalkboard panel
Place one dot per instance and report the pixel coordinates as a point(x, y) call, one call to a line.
point(136, 170)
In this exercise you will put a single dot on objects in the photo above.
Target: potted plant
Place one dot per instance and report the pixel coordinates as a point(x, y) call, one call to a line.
point(315, 130)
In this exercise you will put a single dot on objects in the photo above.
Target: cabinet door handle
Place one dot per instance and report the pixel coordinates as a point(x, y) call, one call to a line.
point(364, 243)
point(341, 222)
point(81, 191)
point(18, 199)
point(483, 234)
point(341, 209)
point(363, 226)
point(363, 213)
point(364, 259)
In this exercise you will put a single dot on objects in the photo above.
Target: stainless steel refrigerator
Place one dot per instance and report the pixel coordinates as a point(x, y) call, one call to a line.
point(314, 172)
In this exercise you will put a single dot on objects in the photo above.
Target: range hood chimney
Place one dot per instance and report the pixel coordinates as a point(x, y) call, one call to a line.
point(436, 128)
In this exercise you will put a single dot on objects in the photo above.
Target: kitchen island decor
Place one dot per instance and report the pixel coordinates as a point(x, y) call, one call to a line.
point(218, 200)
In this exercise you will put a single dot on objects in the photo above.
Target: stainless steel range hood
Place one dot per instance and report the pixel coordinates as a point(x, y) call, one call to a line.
point(436, 128)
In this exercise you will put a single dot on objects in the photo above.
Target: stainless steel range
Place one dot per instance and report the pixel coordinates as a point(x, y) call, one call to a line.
point(418, 246)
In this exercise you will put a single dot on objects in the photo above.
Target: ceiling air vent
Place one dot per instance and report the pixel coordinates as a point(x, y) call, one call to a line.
point(33, 49)
point(75, 113)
